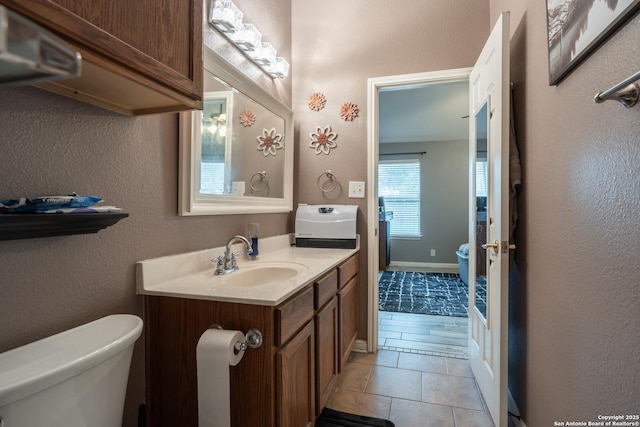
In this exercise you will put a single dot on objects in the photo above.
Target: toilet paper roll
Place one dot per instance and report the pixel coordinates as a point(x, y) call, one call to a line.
point(214, 354)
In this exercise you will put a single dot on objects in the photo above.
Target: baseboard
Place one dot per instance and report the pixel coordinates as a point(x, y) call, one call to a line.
point(360, 346)
point(429, 265)
point(515, 419)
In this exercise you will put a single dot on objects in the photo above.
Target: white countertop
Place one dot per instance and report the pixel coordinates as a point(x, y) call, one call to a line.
point(191, 275)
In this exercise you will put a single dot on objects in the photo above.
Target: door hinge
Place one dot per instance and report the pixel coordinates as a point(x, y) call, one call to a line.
point(505, 246)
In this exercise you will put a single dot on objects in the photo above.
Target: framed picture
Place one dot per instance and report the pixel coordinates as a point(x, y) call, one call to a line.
point(576, 28)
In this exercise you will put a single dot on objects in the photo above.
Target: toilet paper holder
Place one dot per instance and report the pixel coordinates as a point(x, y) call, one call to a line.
point(253, 339)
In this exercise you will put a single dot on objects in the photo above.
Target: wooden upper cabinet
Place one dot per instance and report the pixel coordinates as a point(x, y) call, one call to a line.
point(138, 56)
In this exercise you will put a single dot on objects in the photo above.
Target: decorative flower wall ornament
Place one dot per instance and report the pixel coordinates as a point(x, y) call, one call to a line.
point(317, 101)
point(323, 139)
point(349, 111)
point(247, 118)
point(269, 142)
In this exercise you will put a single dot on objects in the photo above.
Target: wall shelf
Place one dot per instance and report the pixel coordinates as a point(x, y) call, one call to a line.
point(28, 225)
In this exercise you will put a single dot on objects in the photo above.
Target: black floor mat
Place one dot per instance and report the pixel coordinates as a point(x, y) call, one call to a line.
point(331, 418)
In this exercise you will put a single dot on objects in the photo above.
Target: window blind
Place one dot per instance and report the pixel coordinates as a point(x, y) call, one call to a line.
point(211, 178)
point(399, 184)
point(481, 178)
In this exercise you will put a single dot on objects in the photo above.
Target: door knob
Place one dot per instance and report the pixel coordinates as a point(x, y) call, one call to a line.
point(495, 246)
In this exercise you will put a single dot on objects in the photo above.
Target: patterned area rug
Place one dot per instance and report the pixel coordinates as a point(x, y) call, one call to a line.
point(441, 294)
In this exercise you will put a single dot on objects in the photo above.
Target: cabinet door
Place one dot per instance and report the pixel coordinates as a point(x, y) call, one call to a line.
point(326, 351)
point(295, 383)
point(348, 308)
point(138, 57)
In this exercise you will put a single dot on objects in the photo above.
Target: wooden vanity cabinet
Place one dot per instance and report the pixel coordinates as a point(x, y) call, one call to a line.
point(327, 338)
point(347, 308)
point(173, 327)
point(295, 379)
point(336, 325)
point(284, 383)
point(295, 361)
point(138, 57)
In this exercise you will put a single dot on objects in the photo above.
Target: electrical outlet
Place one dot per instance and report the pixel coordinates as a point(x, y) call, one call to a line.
point(433, 252)
point(356, 189)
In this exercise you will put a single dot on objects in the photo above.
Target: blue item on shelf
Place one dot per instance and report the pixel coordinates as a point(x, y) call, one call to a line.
point(46, 203)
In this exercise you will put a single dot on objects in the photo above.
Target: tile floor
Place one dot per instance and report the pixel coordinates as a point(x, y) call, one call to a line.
point(419, 378)
point(423, 334)
point(411, 390)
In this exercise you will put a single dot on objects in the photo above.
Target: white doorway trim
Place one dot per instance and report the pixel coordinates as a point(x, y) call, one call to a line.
point(374, 84)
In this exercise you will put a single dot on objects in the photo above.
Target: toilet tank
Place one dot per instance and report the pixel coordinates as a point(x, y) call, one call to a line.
point(76, 378)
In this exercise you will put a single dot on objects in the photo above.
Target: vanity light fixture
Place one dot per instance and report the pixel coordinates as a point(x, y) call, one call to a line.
point(217, 123)
point(279, 69)
point(264, 54)
point(248, 38)
point(227, 18)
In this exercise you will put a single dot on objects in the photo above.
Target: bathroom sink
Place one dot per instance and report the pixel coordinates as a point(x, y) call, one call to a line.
point(263, 274)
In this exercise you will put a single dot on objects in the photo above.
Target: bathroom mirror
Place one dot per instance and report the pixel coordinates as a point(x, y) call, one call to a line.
point(236, 155)
point(481, 193)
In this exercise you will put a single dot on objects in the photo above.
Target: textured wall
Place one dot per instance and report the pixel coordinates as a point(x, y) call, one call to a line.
point(575, 347)
point(337, 46)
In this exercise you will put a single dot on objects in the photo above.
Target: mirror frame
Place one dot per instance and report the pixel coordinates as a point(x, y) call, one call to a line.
point(190, 202)
point(484, 317)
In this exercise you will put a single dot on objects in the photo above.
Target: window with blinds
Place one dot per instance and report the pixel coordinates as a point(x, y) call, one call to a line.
point(211, 178)
point(481, 178)
point(399, 184)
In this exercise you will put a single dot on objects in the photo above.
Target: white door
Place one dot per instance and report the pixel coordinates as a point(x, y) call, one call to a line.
point(489, 227)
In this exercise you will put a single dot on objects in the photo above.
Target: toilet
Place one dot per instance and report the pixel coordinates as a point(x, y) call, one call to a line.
point(77, 378)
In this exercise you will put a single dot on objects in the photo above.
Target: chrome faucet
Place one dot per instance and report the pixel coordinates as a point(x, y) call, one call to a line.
point(228, 263)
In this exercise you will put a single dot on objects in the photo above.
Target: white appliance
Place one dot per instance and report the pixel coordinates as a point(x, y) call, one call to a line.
point(326, 226)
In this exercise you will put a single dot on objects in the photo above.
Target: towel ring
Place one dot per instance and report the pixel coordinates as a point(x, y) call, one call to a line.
point(331, 177)
point(263, 177)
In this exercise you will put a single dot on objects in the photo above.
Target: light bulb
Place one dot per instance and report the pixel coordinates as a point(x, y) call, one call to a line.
point(225, 16)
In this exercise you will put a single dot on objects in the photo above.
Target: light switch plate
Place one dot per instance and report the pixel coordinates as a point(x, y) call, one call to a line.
point(356, 189)
point(237, 188)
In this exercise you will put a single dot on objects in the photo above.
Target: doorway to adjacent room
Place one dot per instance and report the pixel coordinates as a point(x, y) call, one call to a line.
point(423, 126)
